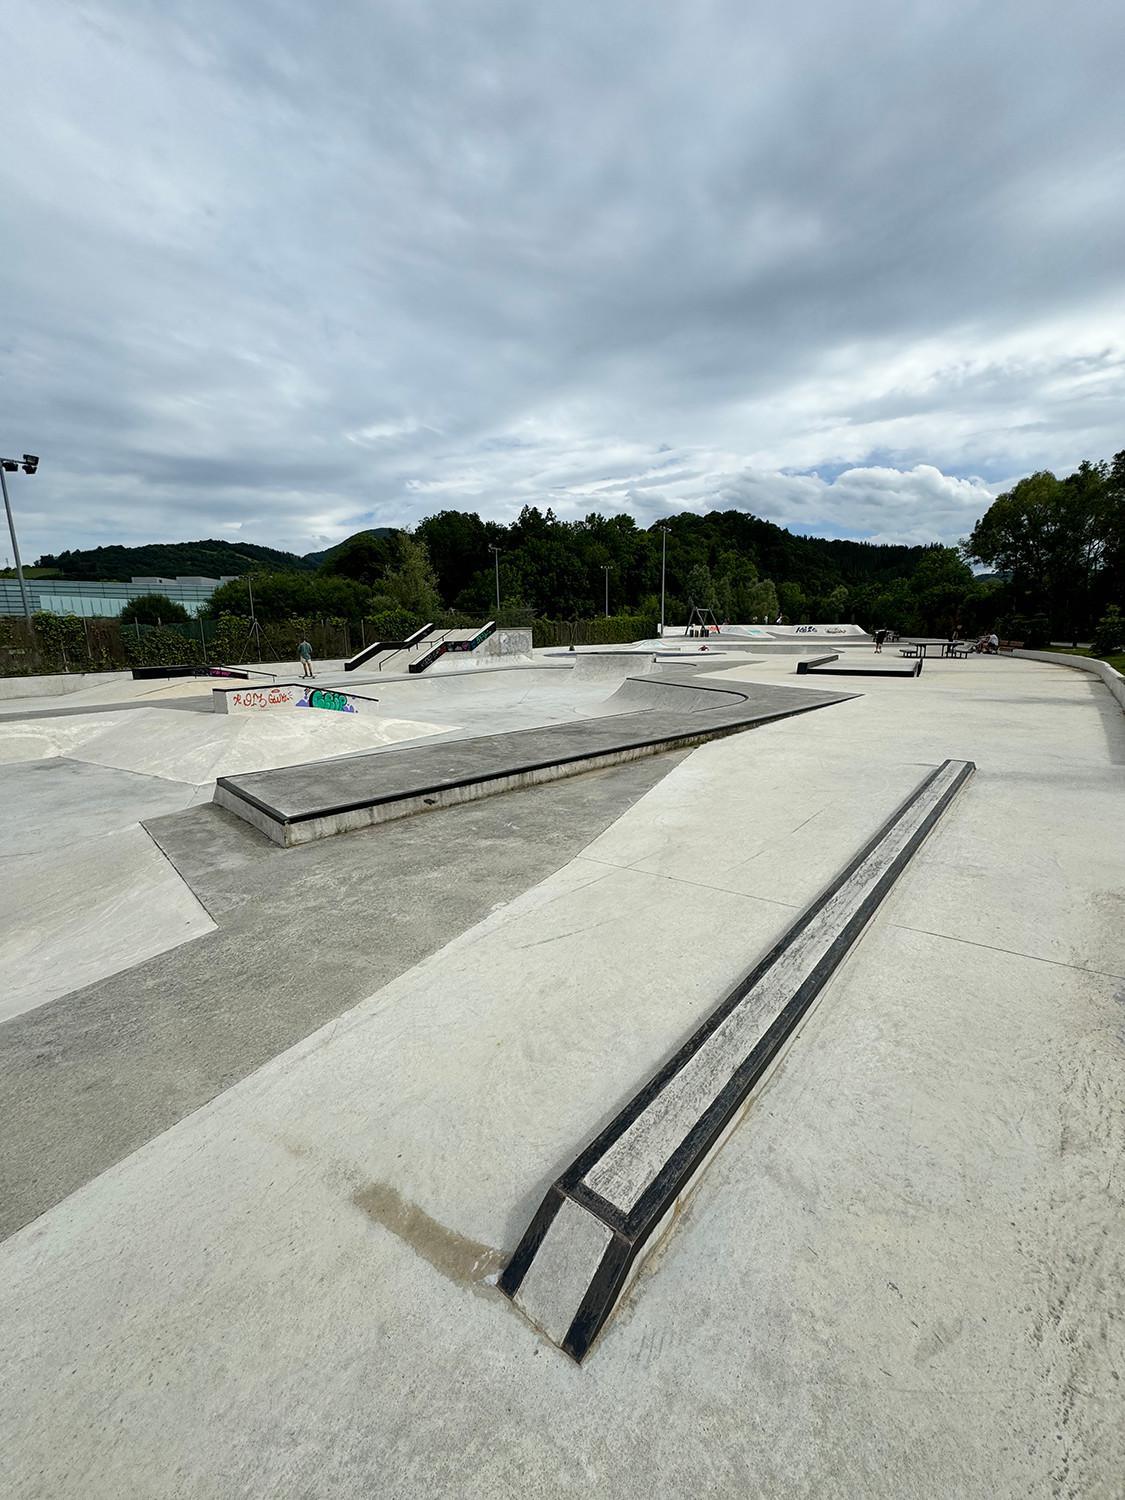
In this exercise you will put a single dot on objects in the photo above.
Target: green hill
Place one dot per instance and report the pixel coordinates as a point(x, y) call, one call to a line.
point(206, 559)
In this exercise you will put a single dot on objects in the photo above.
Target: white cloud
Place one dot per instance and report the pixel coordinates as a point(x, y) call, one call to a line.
point(283, 278)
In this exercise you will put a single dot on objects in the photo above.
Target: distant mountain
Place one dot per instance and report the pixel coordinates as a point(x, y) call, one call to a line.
point(206, 559)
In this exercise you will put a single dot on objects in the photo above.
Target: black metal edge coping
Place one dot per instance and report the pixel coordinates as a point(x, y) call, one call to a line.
point(688, 733)
point(632, 1230)
point(816, 670)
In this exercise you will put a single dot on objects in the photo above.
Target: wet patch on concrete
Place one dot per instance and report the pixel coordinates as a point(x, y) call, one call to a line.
point(454, 1255)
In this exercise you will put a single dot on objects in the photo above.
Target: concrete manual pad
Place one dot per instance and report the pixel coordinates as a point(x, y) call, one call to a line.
point(297, 803)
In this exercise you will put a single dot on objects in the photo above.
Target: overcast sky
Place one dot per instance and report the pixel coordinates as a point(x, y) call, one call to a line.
point(278, 270)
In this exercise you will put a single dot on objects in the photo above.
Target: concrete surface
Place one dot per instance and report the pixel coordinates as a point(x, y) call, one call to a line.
point(73, 914)
point(196, 749)
point(567, 1275)
point(298, 937)
point(902, 1277)
point(84, 892)
point(1100, 669)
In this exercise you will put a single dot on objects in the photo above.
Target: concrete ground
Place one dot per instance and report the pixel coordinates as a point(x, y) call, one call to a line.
point(902, 1276)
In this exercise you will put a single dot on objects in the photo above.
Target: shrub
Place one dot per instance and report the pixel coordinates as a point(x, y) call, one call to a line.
point(1109, 636)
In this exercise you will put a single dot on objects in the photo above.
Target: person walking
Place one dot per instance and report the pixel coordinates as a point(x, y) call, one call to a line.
point(304, 651)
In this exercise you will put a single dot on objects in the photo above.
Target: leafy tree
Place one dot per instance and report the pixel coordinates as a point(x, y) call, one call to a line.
point(941, 583)
point(834, 607)
point(284, 596)
point(154, 609)
point(411, 586)
point(700, 587)
point(365, 557)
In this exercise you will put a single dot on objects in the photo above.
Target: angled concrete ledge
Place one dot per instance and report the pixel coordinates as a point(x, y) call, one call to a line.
point(608, 1208)
point(295, 804)
point(824, 666)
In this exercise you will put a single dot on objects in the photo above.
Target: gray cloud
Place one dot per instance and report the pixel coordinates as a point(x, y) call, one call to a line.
point(280, 271)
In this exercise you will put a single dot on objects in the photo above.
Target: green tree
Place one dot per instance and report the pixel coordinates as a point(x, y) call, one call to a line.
point(154, 609)
point(365, 557)
point(834, 606)
point(411, 586)
point(941, 583)
point(1109, 637)
point(286, 596)
point(700, 587)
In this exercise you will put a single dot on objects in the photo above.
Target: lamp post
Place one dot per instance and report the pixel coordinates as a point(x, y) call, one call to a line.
point(496, 559)
point(663, 565)
point(29, 463)
point(605, 570)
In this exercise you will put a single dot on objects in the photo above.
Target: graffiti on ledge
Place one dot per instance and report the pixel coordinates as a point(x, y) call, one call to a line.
point(274, 697)
point(325, 698)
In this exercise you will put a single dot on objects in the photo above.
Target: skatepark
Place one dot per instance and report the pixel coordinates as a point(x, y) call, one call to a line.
point(630, 1071)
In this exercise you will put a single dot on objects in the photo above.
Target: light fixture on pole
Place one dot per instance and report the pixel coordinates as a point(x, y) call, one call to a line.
point(29, 463)
point(605, 570)
point(663, 565)
point(496, 558)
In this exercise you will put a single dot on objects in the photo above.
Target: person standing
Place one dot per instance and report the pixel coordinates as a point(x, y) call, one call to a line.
point(880, 637)
point(304, 651)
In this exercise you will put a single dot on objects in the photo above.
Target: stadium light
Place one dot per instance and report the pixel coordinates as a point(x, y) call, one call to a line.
point(496, 558)
point(29, 463)
point(663, 563)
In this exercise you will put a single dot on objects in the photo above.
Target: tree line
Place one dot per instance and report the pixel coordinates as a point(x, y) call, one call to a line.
point(743, 568)
point(1055, 548)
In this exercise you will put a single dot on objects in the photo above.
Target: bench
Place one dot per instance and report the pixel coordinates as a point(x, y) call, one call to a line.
point(909, 651)
point(1010, 646)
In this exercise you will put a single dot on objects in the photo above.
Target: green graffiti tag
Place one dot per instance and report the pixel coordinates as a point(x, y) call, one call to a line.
point(324, 698)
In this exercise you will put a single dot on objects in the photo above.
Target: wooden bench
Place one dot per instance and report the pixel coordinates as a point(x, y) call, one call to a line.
point(1010, 646)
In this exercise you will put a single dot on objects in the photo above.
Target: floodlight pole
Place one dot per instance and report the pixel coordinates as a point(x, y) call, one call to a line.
point(496, 559)
point(605, 570)
point(663, 565)
point(26, 598)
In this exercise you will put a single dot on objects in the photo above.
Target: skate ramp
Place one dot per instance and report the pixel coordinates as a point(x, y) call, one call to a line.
point(197, 748)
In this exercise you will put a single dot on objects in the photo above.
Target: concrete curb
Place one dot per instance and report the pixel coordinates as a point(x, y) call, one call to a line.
point(609, 1208)
point(1113, 680)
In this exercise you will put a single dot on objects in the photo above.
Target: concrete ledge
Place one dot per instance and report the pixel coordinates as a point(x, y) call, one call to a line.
point(608, 1209)
point(1100, 669)
point(56, 684)
point(820, 666)
point(810, 663)
point(295, 804)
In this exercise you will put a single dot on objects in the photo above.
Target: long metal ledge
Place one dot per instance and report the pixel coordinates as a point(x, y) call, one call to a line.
point(605, 1211)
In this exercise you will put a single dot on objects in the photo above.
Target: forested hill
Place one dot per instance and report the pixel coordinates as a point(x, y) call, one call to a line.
point(207, 559)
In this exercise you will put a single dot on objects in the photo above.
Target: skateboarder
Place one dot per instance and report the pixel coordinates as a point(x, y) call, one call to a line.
point(304, 651)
